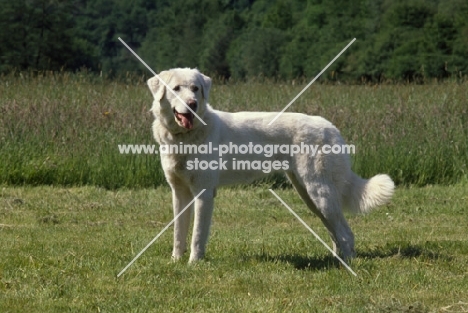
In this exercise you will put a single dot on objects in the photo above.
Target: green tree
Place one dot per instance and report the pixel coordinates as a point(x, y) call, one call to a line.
point(257, 52)
point(401, 39)
point(279, 16)
point(217, 38)
point(40, 34)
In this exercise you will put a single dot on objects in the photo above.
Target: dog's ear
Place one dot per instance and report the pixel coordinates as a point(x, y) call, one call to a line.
point(206, 85)
point(157, 87)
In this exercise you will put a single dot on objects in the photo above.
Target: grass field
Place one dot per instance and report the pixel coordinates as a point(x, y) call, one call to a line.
point(63, 247)
point(74, 212)
point(65, 129)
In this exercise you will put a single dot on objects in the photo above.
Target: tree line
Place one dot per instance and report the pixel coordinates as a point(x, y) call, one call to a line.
point(396, 40)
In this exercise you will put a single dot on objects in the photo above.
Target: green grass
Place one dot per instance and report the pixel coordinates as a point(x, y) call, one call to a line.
point(63, 247)
point(64, 129)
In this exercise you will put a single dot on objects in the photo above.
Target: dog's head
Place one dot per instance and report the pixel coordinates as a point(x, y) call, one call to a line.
point(188, 94)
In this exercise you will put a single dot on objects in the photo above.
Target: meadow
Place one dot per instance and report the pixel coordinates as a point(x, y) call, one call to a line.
point(74, 211)
point(64, 129)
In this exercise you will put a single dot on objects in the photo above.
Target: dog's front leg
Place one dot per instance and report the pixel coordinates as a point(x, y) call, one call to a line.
point(181, 196)
point(202, 222)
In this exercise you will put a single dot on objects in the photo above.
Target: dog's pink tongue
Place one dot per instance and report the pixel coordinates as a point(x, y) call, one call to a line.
point(186, 120)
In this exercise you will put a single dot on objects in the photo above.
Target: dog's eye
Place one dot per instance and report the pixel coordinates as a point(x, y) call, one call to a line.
point(194, 88)
point(177, 88)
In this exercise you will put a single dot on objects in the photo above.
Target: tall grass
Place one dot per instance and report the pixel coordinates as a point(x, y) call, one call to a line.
point(64, 129)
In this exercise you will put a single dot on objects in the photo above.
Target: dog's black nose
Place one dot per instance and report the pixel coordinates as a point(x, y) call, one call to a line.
point(192, 104)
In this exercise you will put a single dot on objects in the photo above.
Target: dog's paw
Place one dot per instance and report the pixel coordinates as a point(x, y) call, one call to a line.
point(195, 259)
point(177, 256)
point(178, 252)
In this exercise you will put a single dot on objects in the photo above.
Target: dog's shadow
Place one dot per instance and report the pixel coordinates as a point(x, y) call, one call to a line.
point(390, 250)
point(299, 261)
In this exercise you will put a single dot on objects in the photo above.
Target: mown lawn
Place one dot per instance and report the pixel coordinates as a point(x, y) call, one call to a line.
point(61, 249)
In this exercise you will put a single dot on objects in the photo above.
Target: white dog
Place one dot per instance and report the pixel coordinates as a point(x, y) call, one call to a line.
point(324, 181)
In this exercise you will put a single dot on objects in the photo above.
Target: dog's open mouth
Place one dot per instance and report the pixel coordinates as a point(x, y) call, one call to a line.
point(184, 119)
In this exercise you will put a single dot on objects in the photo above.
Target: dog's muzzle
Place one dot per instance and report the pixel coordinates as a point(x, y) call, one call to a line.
point(186, 119)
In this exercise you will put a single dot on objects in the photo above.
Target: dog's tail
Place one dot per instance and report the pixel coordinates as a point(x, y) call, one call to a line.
point(365, 194)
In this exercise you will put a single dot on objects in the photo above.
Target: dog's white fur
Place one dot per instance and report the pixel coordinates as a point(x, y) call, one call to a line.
point(325, 181)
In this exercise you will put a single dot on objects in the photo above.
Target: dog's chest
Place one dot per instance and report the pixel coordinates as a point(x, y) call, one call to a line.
point(173, 163)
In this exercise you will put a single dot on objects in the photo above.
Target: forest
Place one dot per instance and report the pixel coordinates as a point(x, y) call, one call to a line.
point(397, 40)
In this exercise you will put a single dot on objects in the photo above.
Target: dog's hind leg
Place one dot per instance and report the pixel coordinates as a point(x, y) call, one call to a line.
point(323, 199)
